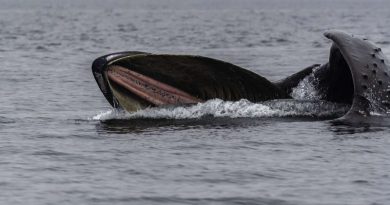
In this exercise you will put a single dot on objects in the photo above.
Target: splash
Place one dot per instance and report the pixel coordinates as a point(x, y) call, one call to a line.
point(237, 109)
point(109, 114)
point(376, 107)
point(306, 89)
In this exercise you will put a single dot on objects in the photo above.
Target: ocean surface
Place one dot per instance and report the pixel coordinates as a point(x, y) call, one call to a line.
point(62, 143)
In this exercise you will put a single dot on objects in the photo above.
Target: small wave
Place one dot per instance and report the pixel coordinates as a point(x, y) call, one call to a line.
point(383, 42)
point(5, 120)
point(194, 200)
point(238, 109)
point(109, 114)
point(41, 48)
point(49, 153)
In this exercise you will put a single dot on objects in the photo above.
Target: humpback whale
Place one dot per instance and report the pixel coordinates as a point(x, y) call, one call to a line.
point(356, 74)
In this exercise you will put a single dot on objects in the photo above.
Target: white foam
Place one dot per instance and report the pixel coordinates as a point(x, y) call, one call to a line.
point(105, 115)
point(238, 109)
point(306, 89)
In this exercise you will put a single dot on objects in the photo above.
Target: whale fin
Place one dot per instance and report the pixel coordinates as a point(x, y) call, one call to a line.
point(369, 69)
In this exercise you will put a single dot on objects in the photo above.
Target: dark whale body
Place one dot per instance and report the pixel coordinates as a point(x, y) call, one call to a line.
point(357, 74)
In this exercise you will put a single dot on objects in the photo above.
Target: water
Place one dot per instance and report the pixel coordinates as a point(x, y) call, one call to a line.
point(61, 143)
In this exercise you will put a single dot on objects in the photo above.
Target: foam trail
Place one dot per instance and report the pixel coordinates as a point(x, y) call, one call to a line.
point(237, 109)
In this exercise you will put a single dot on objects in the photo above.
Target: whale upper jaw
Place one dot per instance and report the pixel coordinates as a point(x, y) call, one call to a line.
point(133, 80)
point(369, 69)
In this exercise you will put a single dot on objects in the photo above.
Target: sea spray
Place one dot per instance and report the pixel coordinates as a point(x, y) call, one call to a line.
point(237, 109)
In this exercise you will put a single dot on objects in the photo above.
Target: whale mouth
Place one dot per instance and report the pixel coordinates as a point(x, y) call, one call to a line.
point(130, 90)
point(136, 91)
point(133, 81)
point(127, 89)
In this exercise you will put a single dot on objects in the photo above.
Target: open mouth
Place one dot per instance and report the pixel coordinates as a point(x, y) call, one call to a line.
point(140, 91)
point(133, 81)
point(132, 91)
point(99, 67)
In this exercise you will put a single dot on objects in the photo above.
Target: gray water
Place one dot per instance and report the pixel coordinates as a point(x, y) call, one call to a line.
point(61, 143)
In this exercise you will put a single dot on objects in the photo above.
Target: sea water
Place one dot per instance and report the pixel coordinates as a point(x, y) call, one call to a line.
point(62, 143)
